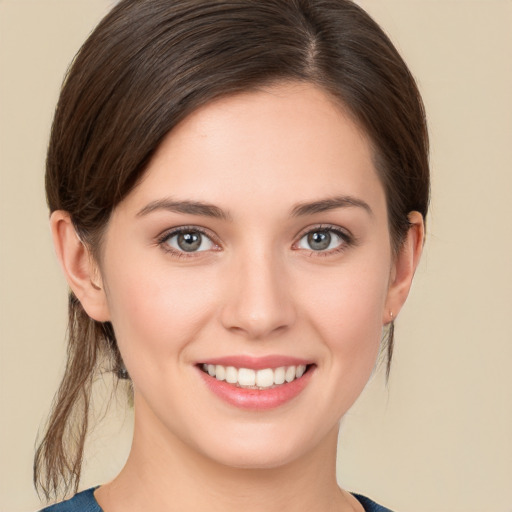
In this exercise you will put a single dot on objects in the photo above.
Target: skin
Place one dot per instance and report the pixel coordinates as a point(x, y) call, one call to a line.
point(255, 156)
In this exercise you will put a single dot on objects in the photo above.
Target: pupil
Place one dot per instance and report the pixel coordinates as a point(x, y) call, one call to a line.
point(189, 241)
point(319, 240)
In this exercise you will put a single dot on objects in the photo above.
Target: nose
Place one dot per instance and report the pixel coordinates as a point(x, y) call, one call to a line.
point(259, 302)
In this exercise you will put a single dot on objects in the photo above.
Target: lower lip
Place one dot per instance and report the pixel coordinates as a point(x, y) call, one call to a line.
point(257, 399)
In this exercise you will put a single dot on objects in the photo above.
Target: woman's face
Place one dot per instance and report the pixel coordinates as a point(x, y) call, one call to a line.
point(257, 240)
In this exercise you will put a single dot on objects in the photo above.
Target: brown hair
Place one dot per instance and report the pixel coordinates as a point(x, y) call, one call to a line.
point(148, 65)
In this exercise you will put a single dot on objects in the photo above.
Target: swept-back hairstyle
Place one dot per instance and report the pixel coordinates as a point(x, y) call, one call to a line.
point(146, 67)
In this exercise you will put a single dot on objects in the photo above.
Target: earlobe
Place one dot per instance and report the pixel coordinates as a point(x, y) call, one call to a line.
point(80, 269)
point(404, 267)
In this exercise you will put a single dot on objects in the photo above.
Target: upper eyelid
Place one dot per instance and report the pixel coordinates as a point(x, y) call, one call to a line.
point(164, 235)
point(325, 227)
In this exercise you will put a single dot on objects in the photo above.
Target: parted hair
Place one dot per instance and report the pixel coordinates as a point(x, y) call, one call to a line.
point(146, 67)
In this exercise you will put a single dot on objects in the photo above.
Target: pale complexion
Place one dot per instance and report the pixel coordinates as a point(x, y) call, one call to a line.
point(272, 166)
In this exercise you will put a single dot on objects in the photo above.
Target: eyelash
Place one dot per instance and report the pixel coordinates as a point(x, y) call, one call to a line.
point(165, 237)
point(347, 240)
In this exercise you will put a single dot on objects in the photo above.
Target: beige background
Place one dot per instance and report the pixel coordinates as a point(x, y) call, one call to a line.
point(439, 439)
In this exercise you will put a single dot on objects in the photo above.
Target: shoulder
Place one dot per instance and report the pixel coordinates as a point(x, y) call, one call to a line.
point(369, 505)
point(82, 502)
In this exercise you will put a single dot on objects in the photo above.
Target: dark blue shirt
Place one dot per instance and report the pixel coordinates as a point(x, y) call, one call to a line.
point(86, 502)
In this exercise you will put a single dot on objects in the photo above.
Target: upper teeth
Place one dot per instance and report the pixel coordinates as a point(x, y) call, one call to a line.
point(245, 377)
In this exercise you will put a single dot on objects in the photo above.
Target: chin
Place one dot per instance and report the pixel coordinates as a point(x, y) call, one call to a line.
point(255, 459)
point(261, 450)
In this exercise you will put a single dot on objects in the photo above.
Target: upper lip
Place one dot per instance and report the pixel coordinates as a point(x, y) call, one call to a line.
point(256, 363)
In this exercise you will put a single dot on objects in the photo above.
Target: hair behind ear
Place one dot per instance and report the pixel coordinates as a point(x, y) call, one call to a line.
point(58, 459)
point(390, 345)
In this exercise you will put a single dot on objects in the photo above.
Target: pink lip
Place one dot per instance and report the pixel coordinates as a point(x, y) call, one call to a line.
point(256, 399)
point(257, 363)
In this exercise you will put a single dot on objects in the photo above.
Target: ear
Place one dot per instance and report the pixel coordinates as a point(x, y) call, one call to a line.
point(404, 267)
point(80, 268)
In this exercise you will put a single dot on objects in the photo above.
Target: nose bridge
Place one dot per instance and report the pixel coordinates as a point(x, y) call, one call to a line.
point(258, 303)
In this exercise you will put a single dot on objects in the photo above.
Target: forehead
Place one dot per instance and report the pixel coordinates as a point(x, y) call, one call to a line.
point(283, 143)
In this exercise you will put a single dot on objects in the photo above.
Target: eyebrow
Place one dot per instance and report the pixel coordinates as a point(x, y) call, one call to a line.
point(331, 203)
point(210, 210)
point(189, 207)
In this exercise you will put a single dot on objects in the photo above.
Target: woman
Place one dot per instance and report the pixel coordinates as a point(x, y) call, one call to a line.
point(237, 194)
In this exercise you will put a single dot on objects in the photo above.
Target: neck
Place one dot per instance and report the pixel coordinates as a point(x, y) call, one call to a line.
point(163, 473)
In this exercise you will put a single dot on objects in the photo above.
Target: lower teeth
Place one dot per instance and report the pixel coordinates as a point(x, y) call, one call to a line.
point(254, 387)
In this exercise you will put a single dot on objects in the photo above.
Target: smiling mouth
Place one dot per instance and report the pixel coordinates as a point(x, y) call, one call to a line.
point(247, 378)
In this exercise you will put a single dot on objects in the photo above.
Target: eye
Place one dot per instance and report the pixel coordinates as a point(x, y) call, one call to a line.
point(187, 241)
point(323, 240)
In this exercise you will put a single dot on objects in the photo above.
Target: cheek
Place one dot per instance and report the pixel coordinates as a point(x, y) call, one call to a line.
point(156, 312)
point(345, 306)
